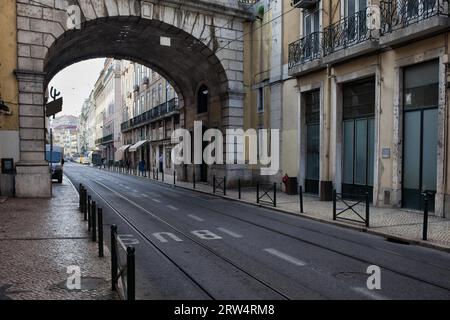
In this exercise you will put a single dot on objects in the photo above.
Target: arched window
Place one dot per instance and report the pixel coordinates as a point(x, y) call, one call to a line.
point(202, 99)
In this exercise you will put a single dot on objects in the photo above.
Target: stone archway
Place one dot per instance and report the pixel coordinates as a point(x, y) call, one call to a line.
point(187, 42)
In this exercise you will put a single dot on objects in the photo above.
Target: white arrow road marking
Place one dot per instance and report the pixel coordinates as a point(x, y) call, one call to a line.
point(160, 237)
point(128, 239)
point(206, 235)
point(285, 256)
point(230, 233)
point(172, 208)
point(156, 200)
point(195, 218)
point(369, 293)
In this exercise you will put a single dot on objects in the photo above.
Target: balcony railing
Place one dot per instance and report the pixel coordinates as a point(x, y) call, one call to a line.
point(346, 33)
point(402, 13)
point(153, 114)
point(104, 140)
point(305, 50)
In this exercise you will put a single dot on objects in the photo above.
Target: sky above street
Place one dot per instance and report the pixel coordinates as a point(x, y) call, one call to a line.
point(76, 83)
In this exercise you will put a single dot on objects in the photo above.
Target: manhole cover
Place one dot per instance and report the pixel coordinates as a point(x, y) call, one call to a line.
point(87, 283)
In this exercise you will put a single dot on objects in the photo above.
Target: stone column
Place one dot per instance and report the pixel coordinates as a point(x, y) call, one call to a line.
point(33, 179)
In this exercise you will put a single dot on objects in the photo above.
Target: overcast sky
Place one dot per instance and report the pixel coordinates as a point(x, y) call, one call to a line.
point(76, 83)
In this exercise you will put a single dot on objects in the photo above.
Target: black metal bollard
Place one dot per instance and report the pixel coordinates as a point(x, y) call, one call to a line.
point(89, 212)
point(162, 176)
point(257, 191)
point(224, 186)
point(334, 205)
point(194, 179)
point(131, 277)
point(239, 189)
point(94, 221)
point(367, 210)
point(274, 194)
point(80, 192)
point(100, 232)
point(214, 184)
point(425, 217)
point(113, 257)
point(85, 205)
point(301, 199)
point(174, 178)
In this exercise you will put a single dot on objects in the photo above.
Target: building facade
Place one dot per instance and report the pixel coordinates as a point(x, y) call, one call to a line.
point(372, 92)
point(9, 108)
point(150, 115)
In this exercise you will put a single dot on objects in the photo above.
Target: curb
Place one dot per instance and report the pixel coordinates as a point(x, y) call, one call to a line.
point(385, 235)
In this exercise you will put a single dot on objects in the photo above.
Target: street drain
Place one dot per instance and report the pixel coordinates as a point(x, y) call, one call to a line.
point(397, 241)
point(87, 283)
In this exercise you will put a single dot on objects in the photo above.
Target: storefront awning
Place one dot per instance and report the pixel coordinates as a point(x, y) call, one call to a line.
point(138, 145)
point(119, 154)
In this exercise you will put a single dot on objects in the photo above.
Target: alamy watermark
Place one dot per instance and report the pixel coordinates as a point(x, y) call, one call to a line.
point(250, 147)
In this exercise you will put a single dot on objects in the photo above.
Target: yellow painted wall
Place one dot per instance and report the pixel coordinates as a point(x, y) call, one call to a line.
point(8, 63)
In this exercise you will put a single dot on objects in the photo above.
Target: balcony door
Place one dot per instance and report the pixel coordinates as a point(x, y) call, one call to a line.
point(311, 27)
point(355, 13)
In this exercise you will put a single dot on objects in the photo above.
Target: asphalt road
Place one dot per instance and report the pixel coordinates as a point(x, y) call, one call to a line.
point(195, 246)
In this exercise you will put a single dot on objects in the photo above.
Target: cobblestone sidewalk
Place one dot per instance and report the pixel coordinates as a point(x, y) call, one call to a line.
point(397, 224)
point(39, 240)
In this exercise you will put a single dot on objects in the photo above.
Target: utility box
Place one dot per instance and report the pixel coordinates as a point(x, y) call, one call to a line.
point(7, 178)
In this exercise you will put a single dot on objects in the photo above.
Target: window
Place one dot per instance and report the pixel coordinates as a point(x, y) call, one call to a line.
point(159, 93)
point(202, 99)
point(260, 106)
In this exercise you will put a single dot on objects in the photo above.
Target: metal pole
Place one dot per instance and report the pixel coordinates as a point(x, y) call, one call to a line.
point(224, 186)
point(89, 212)
point(194, 177)
point(131, 278)
point(239, 189)
point(174, 177)
point(80, 192)
point(301, 199)
point(100, 232)
point(85, 205)
point(257, 191)
point(162, 176)
point(214, 184)
point(94, 221)
point(425, 217)
point(334, 205)
point(113, 256)
point(274, 194)
point(367, 210)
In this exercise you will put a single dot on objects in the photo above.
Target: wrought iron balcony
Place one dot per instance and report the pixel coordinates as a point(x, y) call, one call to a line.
point(151, 115)
point(304, 3)
point(402, 13)
point(306, 49)
point(346, 33)
point(105, 140)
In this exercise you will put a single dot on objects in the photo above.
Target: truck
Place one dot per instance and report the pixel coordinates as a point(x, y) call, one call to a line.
point(56, 161)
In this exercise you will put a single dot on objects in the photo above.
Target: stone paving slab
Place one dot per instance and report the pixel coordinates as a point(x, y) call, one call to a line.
point(39, 240)
point(393, 223)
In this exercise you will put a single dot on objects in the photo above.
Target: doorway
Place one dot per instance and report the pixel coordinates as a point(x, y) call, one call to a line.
point(420, 122)
point(358, 137)
point(312, 123)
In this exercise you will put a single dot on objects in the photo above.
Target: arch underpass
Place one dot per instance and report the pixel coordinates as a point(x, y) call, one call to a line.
point(190, 43)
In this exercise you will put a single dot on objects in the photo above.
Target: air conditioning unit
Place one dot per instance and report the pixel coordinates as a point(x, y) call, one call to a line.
point(305, 4)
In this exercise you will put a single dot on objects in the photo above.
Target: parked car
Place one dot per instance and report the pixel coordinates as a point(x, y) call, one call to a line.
point(56, 159)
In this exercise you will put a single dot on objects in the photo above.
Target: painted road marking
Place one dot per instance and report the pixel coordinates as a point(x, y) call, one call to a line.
point(172, 208)
point(156, 200)
point(160, 237)
point(195, 217)
point(206, 235)
point(135, 191)
point(144, 195)
point(285, 256)
point(230, 233)
point(369, 293)
point(128, 239)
